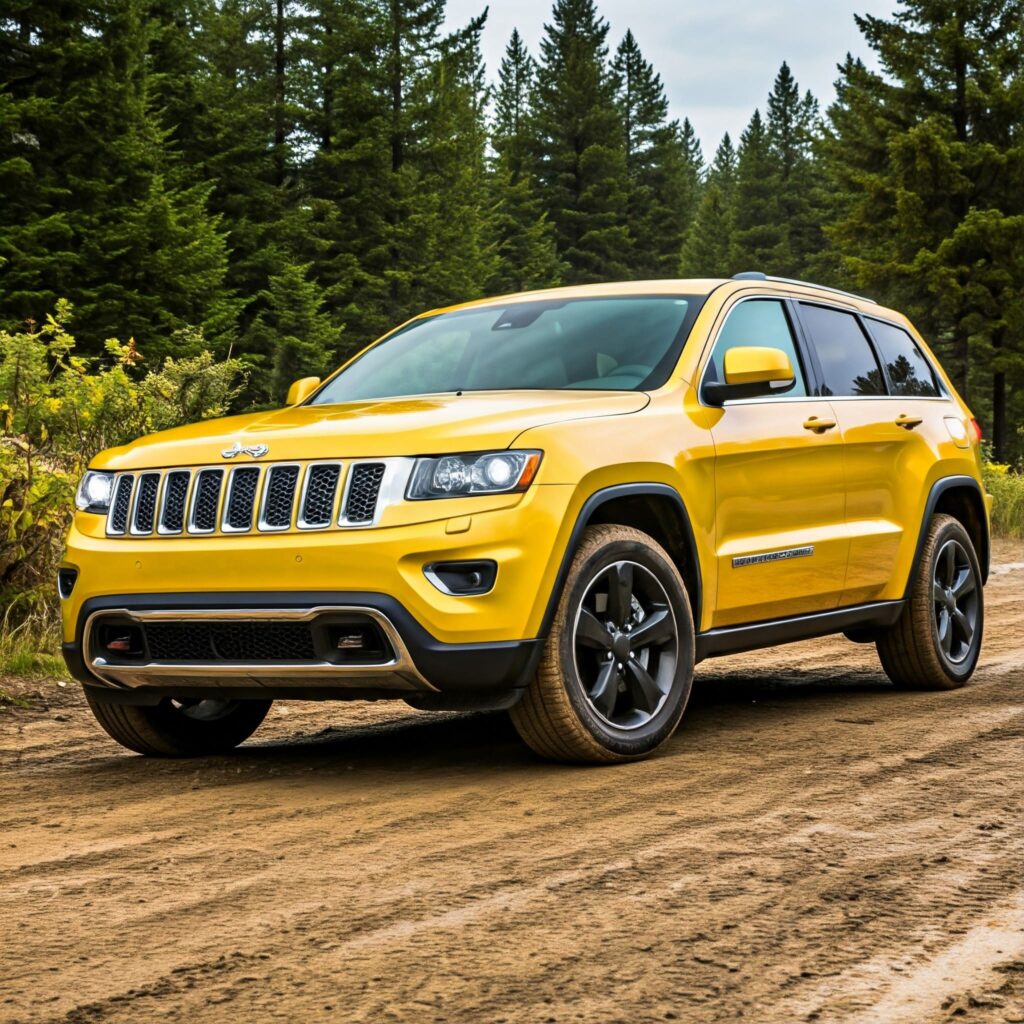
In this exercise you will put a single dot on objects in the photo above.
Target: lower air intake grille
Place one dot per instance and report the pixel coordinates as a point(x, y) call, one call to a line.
point(363, 490)
point(230, 641)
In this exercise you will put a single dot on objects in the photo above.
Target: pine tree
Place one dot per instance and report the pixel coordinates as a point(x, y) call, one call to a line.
point(758, 230)
point(524, 239)
point(792, 126)
point(581, 165)
point(657, 164)
point(926, 163)
point(708, 249)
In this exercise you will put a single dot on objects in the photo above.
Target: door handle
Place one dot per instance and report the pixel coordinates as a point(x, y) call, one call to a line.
point(908, 422)
point(819, 426)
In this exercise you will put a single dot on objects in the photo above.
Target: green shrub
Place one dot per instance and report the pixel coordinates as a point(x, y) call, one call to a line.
point(1007, 490)
point(57, 410)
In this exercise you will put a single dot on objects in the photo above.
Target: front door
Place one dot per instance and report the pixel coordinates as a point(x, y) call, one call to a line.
point(781, 540)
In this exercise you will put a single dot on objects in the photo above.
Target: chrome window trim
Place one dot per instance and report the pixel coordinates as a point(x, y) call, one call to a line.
point(190, 521)
point(129, 676)
point(226, 503)
point(160, 528)
point(832, 398)
point(300, 521)
point(262, 526)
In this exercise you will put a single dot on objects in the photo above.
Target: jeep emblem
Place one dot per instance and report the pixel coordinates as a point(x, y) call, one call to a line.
point(257, 451)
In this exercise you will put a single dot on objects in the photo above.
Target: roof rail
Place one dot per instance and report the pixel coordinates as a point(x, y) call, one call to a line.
point(757, 275)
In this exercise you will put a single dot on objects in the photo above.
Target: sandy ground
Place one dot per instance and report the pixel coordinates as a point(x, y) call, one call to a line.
point(811, 846)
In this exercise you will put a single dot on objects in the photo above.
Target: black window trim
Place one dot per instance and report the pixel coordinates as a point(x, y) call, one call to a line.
point(810, 372)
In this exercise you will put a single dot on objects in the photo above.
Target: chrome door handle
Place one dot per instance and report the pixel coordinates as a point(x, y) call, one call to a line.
point(908, 422)
point(819, 426)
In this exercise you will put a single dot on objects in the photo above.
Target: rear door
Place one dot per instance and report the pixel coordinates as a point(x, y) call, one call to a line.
point(883, 393)
point(780, 536)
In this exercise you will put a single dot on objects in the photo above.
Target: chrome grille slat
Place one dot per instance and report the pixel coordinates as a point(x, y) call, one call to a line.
point(243, 487)
point(269, 498)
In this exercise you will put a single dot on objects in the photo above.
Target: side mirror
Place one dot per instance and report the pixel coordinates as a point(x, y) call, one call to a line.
point(750, 372)
point(301, 390)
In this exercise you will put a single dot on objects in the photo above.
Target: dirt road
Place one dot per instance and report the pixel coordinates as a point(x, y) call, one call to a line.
point(811, 847)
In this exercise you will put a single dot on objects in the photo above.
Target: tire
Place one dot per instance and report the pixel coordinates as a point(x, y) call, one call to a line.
point(180, 728)
point(592, 699)
point(929, 647)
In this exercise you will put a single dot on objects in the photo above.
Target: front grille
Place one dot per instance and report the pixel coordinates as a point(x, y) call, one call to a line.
point(243, 499)
point(363, 491)
point(230, 641)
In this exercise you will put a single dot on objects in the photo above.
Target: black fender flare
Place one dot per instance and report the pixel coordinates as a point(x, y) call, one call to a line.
point(594, 502)
point(939, 488)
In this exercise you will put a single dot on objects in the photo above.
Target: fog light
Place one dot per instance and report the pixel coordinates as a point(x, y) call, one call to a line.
point(463, 579)
point(66, 579)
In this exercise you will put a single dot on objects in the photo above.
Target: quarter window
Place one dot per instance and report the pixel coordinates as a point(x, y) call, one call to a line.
point(908, 370)
point(761, 323)
point(848, 364)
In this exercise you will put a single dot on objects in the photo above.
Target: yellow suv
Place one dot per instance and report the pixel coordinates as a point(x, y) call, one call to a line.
point(555, 503)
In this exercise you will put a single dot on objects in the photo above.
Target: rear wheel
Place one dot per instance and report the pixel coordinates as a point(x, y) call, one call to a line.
point(937, 640)
point(181, 727)
point(616, 670)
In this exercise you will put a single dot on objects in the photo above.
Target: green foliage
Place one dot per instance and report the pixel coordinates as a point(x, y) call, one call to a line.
point(1007, 490)
point(57, 409)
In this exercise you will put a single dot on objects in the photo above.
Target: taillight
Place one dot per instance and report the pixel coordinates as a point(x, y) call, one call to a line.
point(975, 431)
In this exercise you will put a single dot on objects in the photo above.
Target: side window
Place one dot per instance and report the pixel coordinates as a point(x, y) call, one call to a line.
point(848, 363)
point(909, 372)
point(761, 323)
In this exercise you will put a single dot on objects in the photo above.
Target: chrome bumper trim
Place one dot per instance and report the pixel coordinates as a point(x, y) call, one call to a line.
point(399, 673)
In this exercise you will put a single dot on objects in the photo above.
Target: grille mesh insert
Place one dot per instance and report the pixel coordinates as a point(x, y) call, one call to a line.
point(204, 503)
point(230, 641)
point(172, 518)
point(242, 498)
point(277, 509)
point(145, 503)
point(363, 490)
point(321, 486)
point(121, 505)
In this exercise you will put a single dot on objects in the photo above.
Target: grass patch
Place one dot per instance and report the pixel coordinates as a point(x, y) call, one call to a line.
point(1007, 490)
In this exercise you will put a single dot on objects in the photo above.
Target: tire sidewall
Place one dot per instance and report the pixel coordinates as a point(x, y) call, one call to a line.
point(958, 673)
point(636, 742)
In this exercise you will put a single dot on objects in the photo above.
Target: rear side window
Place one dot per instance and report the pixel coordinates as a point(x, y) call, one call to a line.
point(758, 323)
point(909, 372)
point(848, 364)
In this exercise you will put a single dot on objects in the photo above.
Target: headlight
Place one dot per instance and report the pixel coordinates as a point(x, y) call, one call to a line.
point(452, 476)
point(94, 491)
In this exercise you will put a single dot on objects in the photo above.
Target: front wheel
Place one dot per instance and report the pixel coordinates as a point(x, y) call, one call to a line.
point(617, 667)
point(180, 728)
point(937, 639)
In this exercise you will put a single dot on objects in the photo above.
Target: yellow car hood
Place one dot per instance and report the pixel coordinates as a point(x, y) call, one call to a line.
point(422, 425)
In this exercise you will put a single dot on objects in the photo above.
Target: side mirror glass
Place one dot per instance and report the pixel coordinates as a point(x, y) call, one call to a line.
point(750, 372)
point(301, 390)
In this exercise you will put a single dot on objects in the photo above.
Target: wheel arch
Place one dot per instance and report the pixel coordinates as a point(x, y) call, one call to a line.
point(656, 509)
point(960, 497)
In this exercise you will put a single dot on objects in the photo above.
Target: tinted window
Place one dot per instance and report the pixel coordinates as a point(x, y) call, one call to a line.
point(909, 372)
point(607, 344)
point(847, 362)
point(761, 323)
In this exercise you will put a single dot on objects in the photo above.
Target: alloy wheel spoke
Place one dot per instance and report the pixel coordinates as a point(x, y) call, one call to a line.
point(949, 563)
point(606, 689)
point(945, 631)
point(591, 632)
point(964, 625)
point(643, 688)
point(938, 593)
point(620, 592)
point(965, 583)
point(655, 631)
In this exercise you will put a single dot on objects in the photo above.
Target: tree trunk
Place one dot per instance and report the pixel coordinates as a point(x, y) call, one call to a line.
point(998, 404)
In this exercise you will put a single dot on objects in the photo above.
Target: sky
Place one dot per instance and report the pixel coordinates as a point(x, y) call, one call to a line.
point(717, 59)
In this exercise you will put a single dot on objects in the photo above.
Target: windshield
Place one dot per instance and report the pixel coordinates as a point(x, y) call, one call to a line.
point(606, 344)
